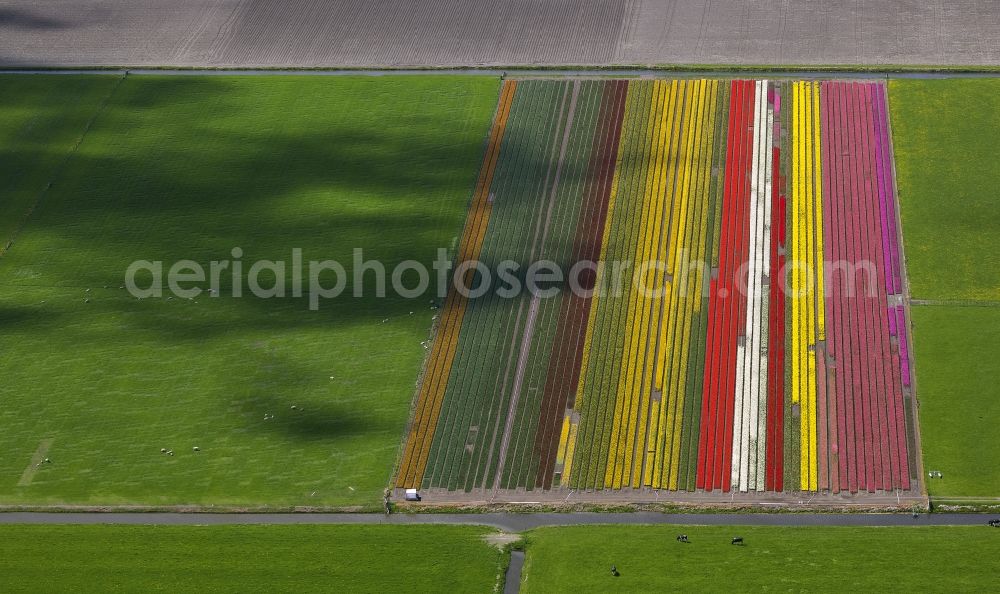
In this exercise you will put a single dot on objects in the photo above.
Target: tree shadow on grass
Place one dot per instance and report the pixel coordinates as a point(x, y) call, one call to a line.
point(304, 415)
point(27, 317)
point(191, 167)
point(329, 422)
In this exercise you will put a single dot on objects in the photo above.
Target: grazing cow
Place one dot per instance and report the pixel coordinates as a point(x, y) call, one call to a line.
point(614, 571)
point(683, 538)
point(738, 540)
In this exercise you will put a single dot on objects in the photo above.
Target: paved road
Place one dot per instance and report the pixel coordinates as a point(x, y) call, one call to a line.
point(359, 33)
point(506, 522)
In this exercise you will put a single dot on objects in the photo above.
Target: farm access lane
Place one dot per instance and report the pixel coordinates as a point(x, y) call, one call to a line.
point(508, 522)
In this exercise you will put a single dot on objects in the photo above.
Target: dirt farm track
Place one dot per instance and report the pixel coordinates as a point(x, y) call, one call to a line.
point(402, 33)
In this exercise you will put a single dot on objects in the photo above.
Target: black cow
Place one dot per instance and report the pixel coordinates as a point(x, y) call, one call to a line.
point(738, 540)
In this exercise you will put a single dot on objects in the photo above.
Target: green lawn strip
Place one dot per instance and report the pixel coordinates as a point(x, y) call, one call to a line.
point(41, 123)
point(945, 140)
point(957, 389)
point(649, 559)
point(345, 558)
point(189, 168)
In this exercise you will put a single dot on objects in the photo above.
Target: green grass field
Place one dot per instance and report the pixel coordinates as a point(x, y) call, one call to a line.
point(356, 558)
point(189, 167)
point(40, 125)
point(649, 559)
point(945, 138)
point(247, 559)
point(959, 408)
point(946, 135)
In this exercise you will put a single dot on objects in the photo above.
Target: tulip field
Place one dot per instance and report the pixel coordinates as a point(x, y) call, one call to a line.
point(729, 314)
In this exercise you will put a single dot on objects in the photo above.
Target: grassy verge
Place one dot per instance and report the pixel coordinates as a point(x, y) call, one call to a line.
point(286, 406)
point(649, 559)
point(248, 558)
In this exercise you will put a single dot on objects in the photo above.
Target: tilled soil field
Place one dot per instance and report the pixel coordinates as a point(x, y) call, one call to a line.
point(373, 33)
